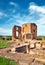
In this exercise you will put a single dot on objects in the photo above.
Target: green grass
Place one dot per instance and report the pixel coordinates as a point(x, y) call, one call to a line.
point(5, 61)
point(3, 44)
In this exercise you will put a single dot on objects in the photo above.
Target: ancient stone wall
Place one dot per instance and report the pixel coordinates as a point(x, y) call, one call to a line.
point(29, 31)
point(16, 32)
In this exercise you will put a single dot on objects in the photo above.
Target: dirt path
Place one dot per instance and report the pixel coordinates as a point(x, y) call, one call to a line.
point(15, 56)
point(20, 57)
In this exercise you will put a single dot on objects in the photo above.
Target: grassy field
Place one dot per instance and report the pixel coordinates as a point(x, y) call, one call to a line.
point(5, 61)
point(3, 44)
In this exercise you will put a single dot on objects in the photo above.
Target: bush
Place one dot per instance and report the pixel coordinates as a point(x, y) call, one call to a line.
point(39, 38)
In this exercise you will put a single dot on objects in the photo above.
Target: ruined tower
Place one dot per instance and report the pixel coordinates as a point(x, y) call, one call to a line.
point(29, 31)
point(16, 32)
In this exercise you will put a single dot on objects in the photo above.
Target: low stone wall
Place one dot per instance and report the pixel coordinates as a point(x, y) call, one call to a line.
point(21, 49)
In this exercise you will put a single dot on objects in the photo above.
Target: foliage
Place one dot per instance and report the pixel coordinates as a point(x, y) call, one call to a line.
point(5, 61)
point(5, 37)
point(3, 44)
point(40, 37)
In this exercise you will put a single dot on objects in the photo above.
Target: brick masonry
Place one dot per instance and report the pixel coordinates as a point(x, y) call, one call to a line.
point(16, 30)
point(26, 32)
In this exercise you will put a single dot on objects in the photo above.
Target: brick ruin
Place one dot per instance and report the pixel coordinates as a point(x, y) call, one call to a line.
point(16, 32)
point(29, 32)
point(26, 32)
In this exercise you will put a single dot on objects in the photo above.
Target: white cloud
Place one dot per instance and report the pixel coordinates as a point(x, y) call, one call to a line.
point(41, 26)
point(40, 10)
point(2, 14)
point(13, 4)
point(17, 19)
point(14, 11)
point(5, 31)
point(34, 7)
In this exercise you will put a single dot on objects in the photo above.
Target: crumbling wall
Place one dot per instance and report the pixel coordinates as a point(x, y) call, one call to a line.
point(29, 31)
point(16, 32)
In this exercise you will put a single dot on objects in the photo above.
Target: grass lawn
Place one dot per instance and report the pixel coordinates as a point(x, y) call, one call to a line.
point(3, 44)
point(5, 61)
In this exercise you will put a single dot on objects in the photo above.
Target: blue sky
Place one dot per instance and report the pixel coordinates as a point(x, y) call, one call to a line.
point(18, 12)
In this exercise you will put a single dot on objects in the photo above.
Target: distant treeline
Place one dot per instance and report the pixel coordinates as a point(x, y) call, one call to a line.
point(40, 37)
point(10, 37)
point(5, 37)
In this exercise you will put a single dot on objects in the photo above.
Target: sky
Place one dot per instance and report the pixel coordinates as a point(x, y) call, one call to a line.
point(18, 12)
